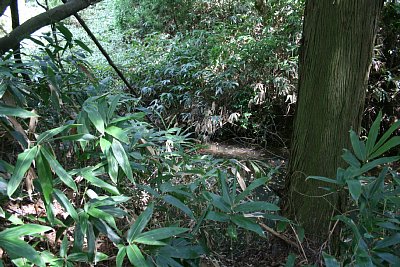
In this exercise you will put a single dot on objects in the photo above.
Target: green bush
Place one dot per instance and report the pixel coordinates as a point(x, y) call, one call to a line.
point(372, 223)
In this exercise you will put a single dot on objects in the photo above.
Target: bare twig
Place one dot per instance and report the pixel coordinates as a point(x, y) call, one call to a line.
point(282, 237)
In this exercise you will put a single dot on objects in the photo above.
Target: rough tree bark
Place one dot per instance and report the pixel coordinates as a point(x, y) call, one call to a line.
point(46, 18)
point(335, 57)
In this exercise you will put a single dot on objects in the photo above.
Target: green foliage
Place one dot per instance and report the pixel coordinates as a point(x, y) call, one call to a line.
point(372, 222)
point(227, 68)
point(92, 171)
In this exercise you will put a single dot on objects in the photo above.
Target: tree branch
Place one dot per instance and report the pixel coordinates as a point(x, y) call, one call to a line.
point(46, 18)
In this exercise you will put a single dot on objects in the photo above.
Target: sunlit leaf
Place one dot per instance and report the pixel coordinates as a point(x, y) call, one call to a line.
point(24, 161)
point(63, 200)
point(45, 177)
point(94, 116)
point(45, 136)
point(135, 256)
point(22, 230)
point(117, 133)
point(16, 112)
point(58, 169)
point(17, 248)
point(140, 223)
point(122, 159)
point(121, 256)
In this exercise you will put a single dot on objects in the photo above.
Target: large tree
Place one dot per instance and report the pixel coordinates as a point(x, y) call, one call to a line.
point(335, 58)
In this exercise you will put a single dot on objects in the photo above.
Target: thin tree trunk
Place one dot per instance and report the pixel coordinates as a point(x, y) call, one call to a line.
point(336, 53)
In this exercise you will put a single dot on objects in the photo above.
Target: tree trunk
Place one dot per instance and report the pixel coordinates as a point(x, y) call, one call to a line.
point(335, 57)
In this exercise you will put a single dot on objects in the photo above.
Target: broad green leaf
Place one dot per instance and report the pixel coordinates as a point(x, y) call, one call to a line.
point(386, 135)
point(17, 248)
point(100, 257)
point(104, 145)
point(323, 179)
point(167, 187)
point(112, 167)
point(58, 169)
point(113, 106)
point(118, 133)
point(91, 242)
point(370, 165)
point(377, 186)
point(256, 183)
point(291, 259)
point(181, 249)
point(140, 223)
point(121, 256)
point(122, 159)
point(373, 134)
point(136, 116)
point(218, 202)
point(135, 256)
point(16, 112)
point(76, 137)
point(358, 146)
point(77, 257)
point(24, 161)
point(354, 189)
point(248, 224)
point(94, 116)
point(89, 176)
point(388, 241)
point(63, 200)
point(64, 247)
point(64, 31)
point(217, 216)
point(390, 258)
point(225, 191)
point(107, 230)
point(393, 142)
point(159, 234)
point(167, 261)
point(45, 177)
point(330, 261)
point(100, 214)
point(256, 206)
point(45, 136)
point(22, 230)
point(83, 127)
point(351, 159)
point(178, 204)
point(83, 46)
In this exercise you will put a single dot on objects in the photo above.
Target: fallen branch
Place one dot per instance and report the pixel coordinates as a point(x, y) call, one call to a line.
point(46, 18)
